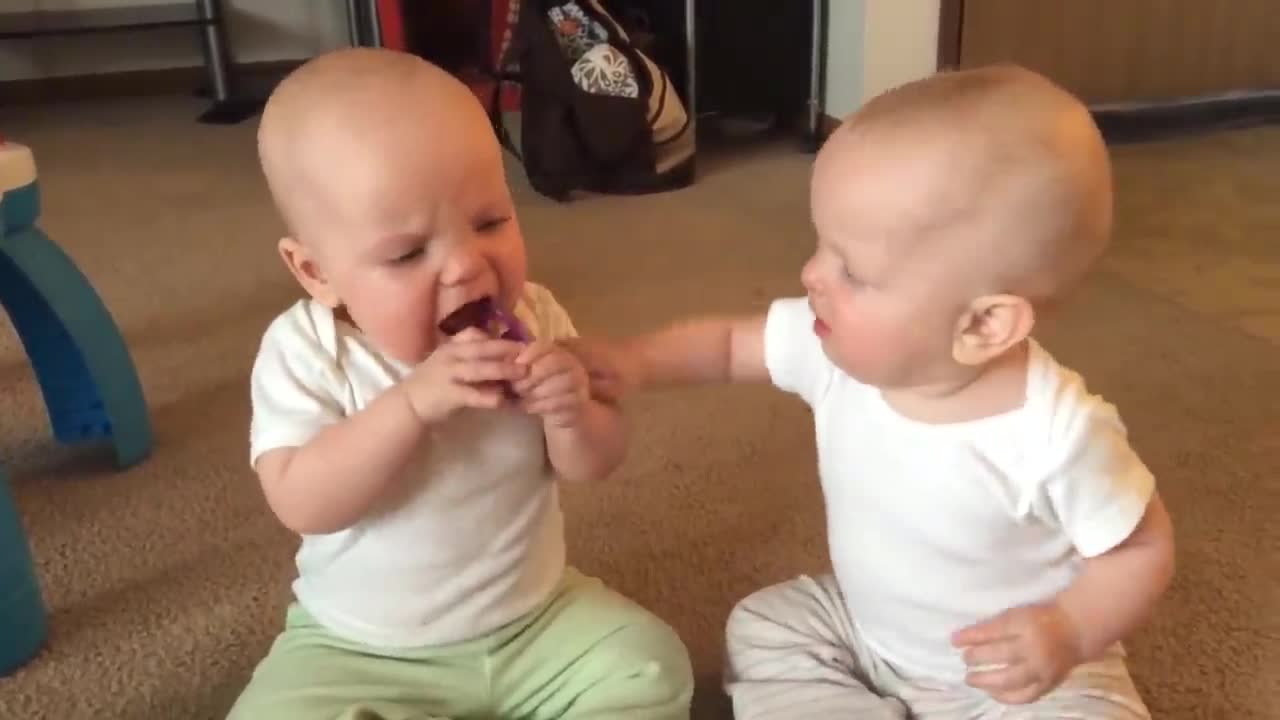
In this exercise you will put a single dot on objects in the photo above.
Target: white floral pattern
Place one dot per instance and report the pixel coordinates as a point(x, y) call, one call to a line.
point(604, 70)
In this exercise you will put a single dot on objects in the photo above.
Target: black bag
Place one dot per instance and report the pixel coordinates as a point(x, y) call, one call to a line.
point(596, 113)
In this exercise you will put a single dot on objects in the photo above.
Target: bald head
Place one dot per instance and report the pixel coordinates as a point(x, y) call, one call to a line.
point(347, 114)
point(1007, 178)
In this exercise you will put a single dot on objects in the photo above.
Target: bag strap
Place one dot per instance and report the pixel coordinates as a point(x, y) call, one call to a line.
point(511, 47)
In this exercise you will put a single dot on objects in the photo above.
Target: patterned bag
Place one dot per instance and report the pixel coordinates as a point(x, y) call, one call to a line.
point(596, 113)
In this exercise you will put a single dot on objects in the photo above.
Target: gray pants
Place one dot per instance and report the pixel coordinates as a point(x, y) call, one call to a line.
point(794, 653)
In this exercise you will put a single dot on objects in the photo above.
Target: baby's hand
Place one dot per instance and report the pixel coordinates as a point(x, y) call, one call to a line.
point(1021, 654)
point(611, 372)
point(555, 386)
point(468, 371)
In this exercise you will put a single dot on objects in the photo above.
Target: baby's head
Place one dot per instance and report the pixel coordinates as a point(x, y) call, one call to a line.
point(949, 211)
point(390, 181)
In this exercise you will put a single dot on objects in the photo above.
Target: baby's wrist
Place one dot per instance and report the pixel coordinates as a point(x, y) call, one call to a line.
point(635, 368)
point(419, 413)
point(563, 423)
point(1074, 632)
point(570, 424)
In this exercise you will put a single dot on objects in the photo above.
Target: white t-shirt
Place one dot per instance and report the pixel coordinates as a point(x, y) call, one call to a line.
point(932, 528)
point(477, 537)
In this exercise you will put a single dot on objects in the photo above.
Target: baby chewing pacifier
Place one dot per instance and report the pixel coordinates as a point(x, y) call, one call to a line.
point(486, 316)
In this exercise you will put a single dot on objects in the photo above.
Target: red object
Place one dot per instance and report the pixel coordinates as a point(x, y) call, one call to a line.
point(391, 22)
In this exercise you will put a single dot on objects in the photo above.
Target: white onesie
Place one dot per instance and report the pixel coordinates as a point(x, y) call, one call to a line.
point(476, 539)
point(935, 527)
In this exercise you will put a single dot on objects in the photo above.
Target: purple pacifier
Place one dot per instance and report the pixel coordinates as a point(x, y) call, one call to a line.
point(486, 316)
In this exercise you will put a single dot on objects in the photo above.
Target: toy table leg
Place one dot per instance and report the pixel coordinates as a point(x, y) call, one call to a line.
point(23, 622)
point(84, 369)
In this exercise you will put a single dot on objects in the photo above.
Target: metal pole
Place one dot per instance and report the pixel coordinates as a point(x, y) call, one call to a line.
point(375, 27)
point(353, 23)
point(213, 41)
point(691, 60)
point(817, 73)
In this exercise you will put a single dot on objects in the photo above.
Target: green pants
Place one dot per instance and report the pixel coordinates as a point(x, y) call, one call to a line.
point(587, 653)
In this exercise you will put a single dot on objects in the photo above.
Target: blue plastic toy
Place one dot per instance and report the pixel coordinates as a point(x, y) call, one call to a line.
point(22, 616)
point(86, 376)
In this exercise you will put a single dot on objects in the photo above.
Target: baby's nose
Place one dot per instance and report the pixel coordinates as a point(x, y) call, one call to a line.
point(809, 277)
point(462, 266)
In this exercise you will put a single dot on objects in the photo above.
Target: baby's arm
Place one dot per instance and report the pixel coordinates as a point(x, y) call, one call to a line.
point(1025, 652)
point(704, 350)
point(1116, 591)
point(590, 448)
point(333, 480)
point(1104, 499)
point(585, 437)
point(322, 471)
point(695, 351)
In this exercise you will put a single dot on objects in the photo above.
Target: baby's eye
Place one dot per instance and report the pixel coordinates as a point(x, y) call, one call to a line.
point(408, 257)
point(488, 226)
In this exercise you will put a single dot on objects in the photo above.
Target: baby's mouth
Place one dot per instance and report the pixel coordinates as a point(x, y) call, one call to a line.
point(488, 317)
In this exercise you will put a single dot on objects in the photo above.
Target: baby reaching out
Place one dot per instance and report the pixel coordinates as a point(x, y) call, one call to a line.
point(994, 537)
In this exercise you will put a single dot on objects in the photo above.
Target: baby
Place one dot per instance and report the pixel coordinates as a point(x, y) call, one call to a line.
point(993, 535)
point(419, 461)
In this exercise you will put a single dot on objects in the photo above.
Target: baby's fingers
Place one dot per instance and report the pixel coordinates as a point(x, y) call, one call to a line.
point(470, 334)
point(535, 353)
point(993, 655)
point(1004, 681)
point(557, 405)
point(543, 381)
point(479, 371)
point(486, 349)
point(485, 396)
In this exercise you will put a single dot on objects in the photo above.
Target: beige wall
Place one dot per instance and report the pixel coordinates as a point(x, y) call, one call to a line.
point(259, 30)
point(873, 45)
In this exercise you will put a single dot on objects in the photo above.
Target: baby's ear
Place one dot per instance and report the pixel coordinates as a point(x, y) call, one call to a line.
point(298, 259)
point(990, 326)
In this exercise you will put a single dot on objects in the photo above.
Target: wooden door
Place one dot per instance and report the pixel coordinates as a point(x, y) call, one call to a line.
point(1129, 50)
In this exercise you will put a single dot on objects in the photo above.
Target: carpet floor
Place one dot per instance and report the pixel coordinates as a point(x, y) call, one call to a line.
point(166, 582)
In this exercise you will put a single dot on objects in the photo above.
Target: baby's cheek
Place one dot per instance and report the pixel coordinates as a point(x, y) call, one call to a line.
point(408, 336)
point(509, 262)
point(866, 349)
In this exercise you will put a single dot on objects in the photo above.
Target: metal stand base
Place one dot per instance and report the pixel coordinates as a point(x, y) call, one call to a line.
point(204, 16)
point(227, 108)
point(231, 112)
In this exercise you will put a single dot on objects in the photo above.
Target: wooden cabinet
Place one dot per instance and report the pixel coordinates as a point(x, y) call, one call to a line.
point(1125, 50)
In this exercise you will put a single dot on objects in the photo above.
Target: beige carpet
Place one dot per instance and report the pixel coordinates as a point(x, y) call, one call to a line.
point(166, 582)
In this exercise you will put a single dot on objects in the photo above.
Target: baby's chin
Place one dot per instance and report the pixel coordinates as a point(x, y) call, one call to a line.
point(413, 359)
point(406, 351)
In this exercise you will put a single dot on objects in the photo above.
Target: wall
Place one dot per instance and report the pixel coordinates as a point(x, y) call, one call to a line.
point(845, 46)
point(258, 31)
point(873, 45)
